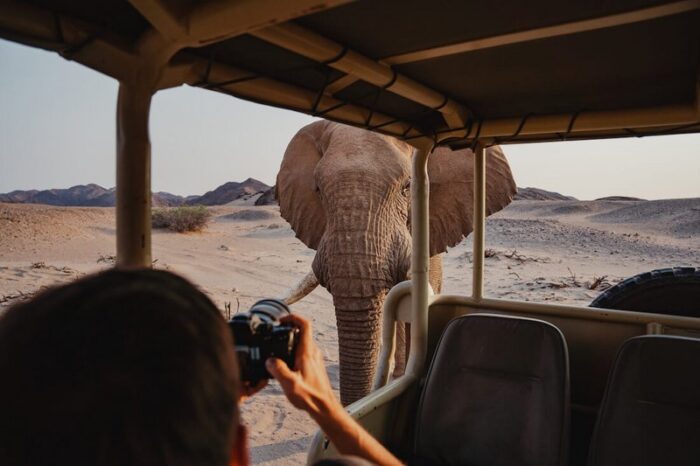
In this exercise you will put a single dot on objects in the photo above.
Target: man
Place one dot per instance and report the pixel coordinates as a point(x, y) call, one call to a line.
point(138, 368)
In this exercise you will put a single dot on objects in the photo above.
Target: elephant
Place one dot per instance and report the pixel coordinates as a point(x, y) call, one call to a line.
point(345, 192)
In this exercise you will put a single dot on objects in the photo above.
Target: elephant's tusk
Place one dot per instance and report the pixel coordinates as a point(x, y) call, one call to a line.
point(304, 287)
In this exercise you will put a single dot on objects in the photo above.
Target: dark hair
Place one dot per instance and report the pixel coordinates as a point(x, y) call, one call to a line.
point(119, 368)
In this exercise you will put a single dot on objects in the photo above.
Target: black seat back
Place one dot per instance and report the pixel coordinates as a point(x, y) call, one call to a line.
point(650, 414)
point(497, 393)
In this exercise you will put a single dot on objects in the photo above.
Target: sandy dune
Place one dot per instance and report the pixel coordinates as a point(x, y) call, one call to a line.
point(553, 251)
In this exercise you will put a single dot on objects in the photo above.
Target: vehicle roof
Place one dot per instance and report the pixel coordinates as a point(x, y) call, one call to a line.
point(445, 71)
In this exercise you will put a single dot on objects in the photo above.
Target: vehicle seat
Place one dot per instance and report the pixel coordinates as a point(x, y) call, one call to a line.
point(650, 414)
point(497, 393)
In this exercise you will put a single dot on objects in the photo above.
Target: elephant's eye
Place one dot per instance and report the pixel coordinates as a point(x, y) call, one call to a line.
point(406, 190)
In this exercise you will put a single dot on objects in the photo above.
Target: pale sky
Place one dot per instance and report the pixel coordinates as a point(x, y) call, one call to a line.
point(57, 129)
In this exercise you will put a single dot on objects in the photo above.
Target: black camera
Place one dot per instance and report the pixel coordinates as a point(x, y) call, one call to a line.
point(258, 335)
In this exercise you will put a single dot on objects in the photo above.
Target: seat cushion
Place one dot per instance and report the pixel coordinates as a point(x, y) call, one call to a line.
point(497, 393)
point(650, 414)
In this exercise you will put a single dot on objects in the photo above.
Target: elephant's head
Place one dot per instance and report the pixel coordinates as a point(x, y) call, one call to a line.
point(346, 194)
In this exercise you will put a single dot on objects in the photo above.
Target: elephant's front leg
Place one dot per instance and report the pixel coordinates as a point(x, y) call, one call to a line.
point(403, 342)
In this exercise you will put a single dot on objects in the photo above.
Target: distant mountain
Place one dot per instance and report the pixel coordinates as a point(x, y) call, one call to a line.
point(229, 192)
point(93, 195)
point(81, 195)
point(163, 199)
point(269, 197)
point(536, 194)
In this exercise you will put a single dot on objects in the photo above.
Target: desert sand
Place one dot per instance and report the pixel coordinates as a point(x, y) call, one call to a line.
point(546, 251)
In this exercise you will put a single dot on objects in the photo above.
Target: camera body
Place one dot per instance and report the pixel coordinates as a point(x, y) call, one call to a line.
point(258, 335)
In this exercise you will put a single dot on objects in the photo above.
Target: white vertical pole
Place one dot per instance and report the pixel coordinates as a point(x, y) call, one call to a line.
point(420, 259)
point(479, 221)
point(133, 177)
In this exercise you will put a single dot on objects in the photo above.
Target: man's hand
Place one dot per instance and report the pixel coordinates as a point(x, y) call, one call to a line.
point(307, 387)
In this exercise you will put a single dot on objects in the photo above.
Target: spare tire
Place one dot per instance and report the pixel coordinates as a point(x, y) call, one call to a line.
point(673, 291)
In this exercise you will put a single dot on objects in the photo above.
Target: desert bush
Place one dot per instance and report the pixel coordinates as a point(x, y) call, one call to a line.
point(181, 219)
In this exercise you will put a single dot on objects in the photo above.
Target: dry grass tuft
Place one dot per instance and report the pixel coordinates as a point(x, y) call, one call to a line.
point(181, 219)
point(7, 299)
point(521, 259)
point(42, 266)
point(110, 259)
point(602, 283)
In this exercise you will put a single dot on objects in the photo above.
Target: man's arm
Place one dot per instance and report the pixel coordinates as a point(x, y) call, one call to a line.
point(309, 389)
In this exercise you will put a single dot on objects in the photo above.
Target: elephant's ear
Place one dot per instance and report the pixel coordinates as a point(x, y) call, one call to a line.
point(299, 200)
point(452, 192)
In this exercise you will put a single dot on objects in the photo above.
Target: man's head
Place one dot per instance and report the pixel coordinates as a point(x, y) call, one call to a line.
point(119, 368)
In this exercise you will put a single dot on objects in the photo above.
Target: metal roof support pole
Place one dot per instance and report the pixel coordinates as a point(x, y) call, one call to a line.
point(420, 259)
point(133, 177)
point(479, 221)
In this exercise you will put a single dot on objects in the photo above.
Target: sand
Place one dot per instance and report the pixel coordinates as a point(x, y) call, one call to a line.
point(545, 251)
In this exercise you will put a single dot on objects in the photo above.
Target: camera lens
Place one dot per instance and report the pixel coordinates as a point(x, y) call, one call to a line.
point(273, 309)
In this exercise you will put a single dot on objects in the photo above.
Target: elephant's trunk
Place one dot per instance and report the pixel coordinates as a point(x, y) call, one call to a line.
point(359, 277)
point(359, 332)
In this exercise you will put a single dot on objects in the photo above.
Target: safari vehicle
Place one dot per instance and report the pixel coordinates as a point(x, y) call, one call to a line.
point(460, 74)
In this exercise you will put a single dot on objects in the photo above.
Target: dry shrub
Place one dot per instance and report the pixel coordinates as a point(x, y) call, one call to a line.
point(520, 258)
point(107, 259)
point(181, 219)
point(602, 283)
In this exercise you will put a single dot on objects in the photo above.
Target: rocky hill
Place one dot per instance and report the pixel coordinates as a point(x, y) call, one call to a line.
point(93, 195)
point(229, 192)
point(163, 199)
point(81, 195)
point(536, 194)
point(269, 197)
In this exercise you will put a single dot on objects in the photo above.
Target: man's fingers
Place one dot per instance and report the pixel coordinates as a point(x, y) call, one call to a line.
point(288, 380)
point(279, 370)
point(298, 321)
point(304, 327)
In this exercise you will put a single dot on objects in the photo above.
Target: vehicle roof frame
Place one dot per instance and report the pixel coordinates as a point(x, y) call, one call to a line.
point(174, 32)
